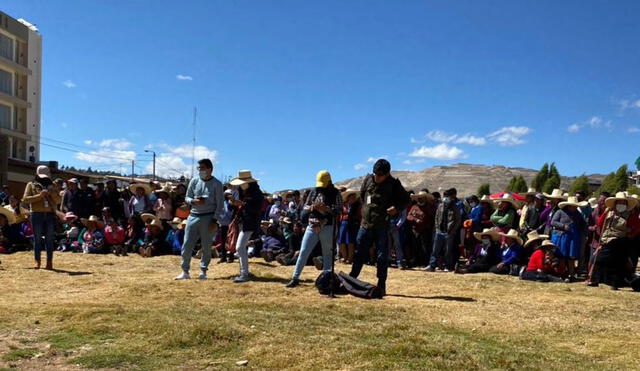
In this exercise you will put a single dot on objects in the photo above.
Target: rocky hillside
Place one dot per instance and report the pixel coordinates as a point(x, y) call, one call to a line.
point(465, 177)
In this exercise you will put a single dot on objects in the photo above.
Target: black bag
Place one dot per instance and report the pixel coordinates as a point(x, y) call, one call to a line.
point(324, 282)
point(635, 283)
point(359, 288)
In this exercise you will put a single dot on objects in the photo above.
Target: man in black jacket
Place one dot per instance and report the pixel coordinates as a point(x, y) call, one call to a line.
point(383, 197)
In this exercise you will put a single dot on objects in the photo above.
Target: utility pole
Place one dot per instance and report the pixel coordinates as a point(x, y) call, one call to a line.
point(154, 162)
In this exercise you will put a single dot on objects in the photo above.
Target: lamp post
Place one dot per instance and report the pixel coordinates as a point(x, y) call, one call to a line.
point(154, 162)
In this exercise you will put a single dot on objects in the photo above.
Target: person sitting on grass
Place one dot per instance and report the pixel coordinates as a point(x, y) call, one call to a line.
point(273, 244)
point(511, 254)
point(294, 242)
point(91, 238)
point(114, 236)
point(134, 234)
point(486, 253)
point(154, 240)
point(175, 236)
point(541, 265)
point(71, 231)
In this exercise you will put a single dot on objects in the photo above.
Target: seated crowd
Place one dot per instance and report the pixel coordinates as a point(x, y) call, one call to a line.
point(553, 237)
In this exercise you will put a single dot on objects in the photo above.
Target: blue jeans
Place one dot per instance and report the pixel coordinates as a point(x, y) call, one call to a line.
point(309, 242)
point(366, 238)
point(397, 244)
point(43, 226)
point(444, 245)
point(197, 229)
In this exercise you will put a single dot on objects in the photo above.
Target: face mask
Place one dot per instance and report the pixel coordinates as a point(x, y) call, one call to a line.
point(203, 174)
point(446, 200)
point(621, 208)
point(486, 241)
point(277, 203)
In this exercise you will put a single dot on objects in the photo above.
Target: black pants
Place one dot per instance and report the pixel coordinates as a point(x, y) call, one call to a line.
point(421, 246)
point(478, 268)
point(612, 263)
point(224, 232)
point(540, 277)
point(506, 269)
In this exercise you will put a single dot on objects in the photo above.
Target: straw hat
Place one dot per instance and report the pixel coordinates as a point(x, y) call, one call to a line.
point(534, 236)
point(507, 198)
point(156, 223)
point(556, 194)
point(70, 216)
point(266, 223)
point(165, 189)
point(547, 244)
point(176, 221)
point(147, 217)
point(531, 192)
point(572, 201)
point(513, 234)
point(486, 199)
point(495, 236)
point(287, 220)
point(422, 194)
point(228, 192)
point(134, 186)
point(244, 176)
point(620, 196)
point(43, 172)
point(348, 193)
point(8, 214)
point(93, 219)
point(593, 202)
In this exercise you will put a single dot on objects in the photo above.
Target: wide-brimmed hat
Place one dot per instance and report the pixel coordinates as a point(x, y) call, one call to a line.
point(10, 215)
point(70, 216)
point(556, 194)
point(156, 223)
point(593, 202)
point(147, 217)
point(165, 189)
point(621, 196)
point(495, 235)
point(244, 176)
point(287, 220)
point(228, 192)
point(513, 234)
point(423, 194)
point(175, 221)
point(531, 192)
point(266, 222)
point(93, 219)
point(547, 244)
point(43, 171)
point(348, 193)
point(534, 236)
point(134, 186)
point(572, 201)
point(507, 197)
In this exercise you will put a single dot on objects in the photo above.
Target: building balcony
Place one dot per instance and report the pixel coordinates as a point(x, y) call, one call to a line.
point(14, 100)
point(8, 63)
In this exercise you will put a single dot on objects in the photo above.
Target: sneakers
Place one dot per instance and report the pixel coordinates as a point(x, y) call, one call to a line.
point(183, 276)
point(203, 275)
point(293, 283)
point(242, 279)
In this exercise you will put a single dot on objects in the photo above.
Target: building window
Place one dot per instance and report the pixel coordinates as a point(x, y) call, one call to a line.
point(18, 149)
point(6, 82)
point(6, 47)
point(5, 117)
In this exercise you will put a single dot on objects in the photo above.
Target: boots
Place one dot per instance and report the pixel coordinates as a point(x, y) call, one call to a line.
point(36, 265)
point(49, 265)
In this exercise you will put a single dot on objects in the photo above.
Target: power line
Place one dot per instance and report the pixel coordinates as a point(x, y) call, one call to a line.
point(83, 147)
point(99, 155)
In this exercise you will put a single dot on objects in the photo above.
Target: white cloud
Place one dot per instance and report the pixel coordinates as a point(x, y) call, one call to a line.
point(510, 135)
point(119, 144)
point(470, 139)
point(374, 159)
point(69, 84)
point(417, 141)
point(88, 142)
point(414, 162)
point(444, 137)
point(439, 152)
point(626, 104)
point(359, 167)
point(441, 136)
point(184, 77)
point(108, 151)
point(633, 130)
point(175, 161)
point(594, 122)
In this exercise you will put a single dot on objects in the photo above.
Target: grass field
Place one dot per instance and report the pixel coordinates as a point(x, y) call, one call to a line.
point(108, 312)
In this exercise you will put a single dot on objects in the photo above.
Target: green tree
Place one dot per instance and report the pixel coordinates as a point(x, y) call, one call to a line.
point(622, 178)
point(484, 190)
point(581, 184)
point(541, 177)
point(551, 184)
point(521, 185)
point(512, 185)
point(634, 190)
point(553, 171)
point(608, 184)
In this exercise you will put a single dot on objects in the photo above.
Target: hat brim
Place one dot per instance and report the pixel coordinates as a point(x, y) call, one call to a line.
point(576, 204)
point(495, 236)
point(133, 187)
point(241, 181)
point(426, 196)
point(517, 238)
point(147, 217)
point(513, 203)
point(99, 223)
point(346, 194)
point(532, 240)
point(611, 202)
point(11, 219)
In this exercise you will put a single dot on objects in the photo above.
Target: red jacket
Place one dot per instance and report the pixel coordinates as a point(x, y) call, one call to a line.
point(421, 217)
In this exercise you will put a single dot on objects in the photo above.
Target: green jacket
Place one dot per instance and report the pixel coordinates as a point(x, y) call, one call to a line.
point(377, 198)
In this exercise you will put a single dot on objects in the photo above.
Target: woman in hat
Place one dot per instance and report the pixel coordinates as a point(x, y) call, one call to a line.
point(114, 236)
point(323, 205)
point(504, 218)
point(487, 211)
point(91, 238)
point(594, 232)
point(163, 206)
point(612, 263)
point(21, 216)
point(486, 253)
point(42, 200)
point(540, 267)
point(155, 243)
point(533, 240)
point(71, 228)
point(349, 223)
point(511, 255)
point(552, 207)
point(139, 202)
point(421, 217)
point(134, 234)
point(249, 201)
point(567, 228)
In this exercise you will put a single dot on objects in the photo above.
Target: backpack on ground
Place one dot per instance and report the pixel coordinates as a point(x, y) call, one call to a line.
point(359, 288)
point(324, 282)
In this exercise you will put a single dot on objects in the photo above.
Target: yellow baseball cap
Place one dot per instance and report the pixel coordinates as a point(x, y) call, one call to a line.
point(323, 179)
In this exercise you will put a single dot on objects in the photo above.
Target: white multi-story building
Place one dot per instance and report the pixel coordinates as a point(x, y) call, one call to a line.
point(20, 86)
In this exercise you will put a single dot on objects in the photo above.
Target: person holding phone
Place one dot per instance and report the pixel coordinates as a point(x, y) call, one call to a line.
point(205, 196)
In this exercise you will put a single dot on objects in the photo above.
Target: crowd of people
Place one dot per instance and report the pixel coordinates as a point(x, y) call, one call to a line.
point(536, 236)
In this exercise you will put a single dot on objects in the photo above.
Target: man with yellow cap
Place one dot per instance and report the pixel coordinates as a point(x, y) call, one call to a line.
point(323, 204)
point(383, 197)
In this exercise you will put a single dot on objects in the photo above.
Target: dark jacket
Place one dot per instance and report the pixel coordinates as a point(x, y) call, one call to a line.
point(452, 223)
point(378, 198)
point(329, 196)
point(251, 211)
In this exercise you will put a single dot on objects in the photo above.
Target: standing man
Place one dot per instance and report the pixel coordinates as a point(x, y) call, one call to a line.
point(205, 196)
point(87, 199)
point(384, 197)
point(447, 224)
point(42, 199)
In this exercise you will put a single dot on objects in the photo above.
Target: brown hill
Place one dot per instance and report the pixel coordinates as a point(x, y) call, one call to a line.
point(466, 178)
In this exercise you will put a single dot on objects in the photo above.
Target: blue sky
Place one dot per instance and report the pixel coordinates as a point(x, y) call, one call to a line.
point(286, 88)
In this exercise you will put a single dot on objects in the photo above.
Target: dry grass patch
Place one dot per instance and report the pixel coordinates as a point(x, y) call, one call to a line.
point(107, 312)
